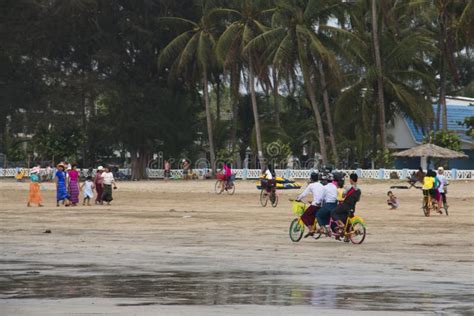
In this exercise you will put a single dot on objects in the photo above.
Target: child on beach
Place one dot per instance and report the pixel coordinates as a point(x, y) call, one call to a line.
point(392, 200)
point(88, 192)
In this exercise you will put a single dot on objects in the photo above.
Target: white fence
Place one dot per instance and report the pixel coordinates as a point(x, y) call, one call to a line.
point(381, 174)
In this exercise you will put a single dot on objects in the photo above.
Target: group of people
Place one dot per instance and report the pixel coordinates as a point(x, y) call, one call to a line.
point(435, 184)
point(330, 200)
point(68, 186)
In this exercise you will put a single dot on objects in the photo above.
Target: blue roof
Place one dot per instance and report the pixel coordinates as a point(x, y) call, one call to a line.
point(456, 116)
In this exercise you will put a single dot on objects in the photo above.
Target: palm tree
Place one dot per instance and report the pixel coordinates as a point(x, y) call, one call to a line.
point(293, 42)
point(379, 72)
point(245, 25)
point(406, 74)
point(191, 54)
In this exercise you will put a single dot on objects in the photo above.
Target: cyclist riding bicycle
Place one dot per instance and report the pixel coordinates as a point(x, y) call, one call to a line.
point(351, 197)
point(429, 184)
point(316, 190)
point(268, 181)
point(443, 182)
point(227, 173)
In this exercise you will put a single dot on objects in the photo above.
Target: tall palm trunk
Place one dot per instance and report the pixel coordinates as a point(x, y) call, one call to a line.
point(441, 109)
point(234, 85)
point(312, 99)
point(255, 112)
point(327, 108)
point(378, 65)
point(275, 98)
point(442, 114)
point(209, 120)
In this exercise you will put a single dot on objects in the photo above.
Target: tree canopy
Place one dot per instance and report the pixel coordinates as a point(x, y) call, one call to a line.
point(109, 81)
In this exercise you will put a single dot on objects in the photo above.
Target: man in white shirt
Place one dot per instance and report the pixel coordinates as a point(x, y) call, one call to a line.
point(329, 203)
point(316, 190)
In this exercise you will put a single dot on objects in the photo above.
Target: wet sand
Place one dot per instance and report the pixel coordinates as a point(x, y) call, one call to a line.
point(177, 248)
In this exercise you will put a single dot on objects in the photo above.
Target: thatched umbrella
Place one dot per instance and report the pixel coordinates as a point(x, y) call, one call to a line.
point(430, 150)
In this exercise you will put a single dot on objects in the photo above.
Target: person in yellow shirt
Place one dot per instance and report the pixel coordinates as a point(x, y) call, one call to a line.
point(429, 184)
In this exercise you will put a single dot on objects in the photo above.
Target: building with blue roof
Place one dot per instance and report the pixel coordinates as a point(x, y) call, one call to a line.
point(403, 133)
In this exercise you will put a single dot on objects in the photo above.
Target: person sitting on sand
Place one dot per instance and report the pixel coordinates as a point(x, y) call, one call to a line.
point(392, 200)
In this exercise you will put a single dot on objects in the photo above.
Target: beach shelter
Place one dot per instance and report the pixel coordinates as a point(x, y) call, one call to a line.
point(430, 150)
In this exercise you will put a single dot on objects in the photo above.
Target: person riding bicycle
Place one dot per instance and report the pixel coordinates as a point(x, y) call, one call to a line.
point(351, 197)
point(268, 179)
point(429, 184)
point(226, 168)
point(443, 182)
point(316, 190)
point(330, 200)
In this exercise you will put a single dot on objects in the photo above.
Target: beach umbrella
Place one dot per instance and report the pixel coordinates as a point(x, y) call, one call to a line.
point(430, 150)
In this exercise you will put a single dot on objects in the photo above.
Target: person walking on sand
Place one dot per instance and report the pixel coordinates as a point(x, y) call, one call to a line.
point(88, 187)
point(109, 181)
point(73, 184)
point(34, 196)
point(99, 184)
point(167, 167)
point(61, 188)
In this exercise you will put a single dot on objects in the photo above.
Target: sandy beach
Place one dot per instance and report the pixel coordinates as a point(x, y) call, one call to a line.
point(177, 248)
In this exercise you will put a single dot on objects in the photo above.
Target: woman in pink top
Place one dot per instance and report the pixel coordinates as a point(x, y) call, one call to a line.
point(99, 185)
point(73, 185)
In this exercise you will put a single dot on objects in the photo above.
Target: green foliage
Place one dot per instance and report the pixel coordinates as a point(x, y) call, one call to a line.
point(446, 139)
point(58, 143)
point(84, 79)
point(469, 123)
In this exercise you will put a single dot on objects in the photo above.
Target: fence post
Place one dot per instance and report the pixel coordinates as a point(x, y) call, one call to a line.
point(286, 174)
point(245, 173)
point(454, 173)
point(359, 172)
point(381, 173)
point(404, 173)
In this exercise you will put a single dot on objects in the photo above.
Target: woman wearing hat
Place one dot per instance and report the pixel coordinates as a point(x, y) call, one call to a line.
point(34, 196)
point(99, 184)
point(61, 189)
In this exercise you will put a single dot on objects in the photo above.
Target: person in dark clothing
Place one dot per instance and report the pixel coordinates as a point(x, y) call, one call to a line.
point(351, 197)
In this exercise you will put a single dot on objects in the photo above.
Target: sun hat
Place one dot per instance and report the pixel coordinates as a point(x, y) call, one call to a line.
point(100, 168)
point(60, 165)
point(35, 169)
point(440, 169)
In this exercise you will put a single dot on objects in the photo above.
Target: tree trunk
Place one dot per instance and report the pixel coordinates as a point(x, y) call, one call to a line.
point(378, 65)
point(327, 108)
point(218, 98)
point(312, 99)
point(255, 112)
point(209, 121)
point(139, 163)
point(234, 83)
point(441, 109)
point(275, 98)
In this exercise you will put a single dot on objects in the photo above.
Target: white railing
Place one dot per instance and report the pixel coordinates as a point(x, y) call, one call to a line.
point(381, 174)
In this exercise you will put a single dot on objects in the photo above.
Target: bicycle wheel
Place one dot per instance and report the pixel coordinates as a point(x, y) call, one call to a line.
point(263, 198)
point(296, 230)
point(218, 187)
point(357, 235)
point(231, 189)
point(274, 199)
